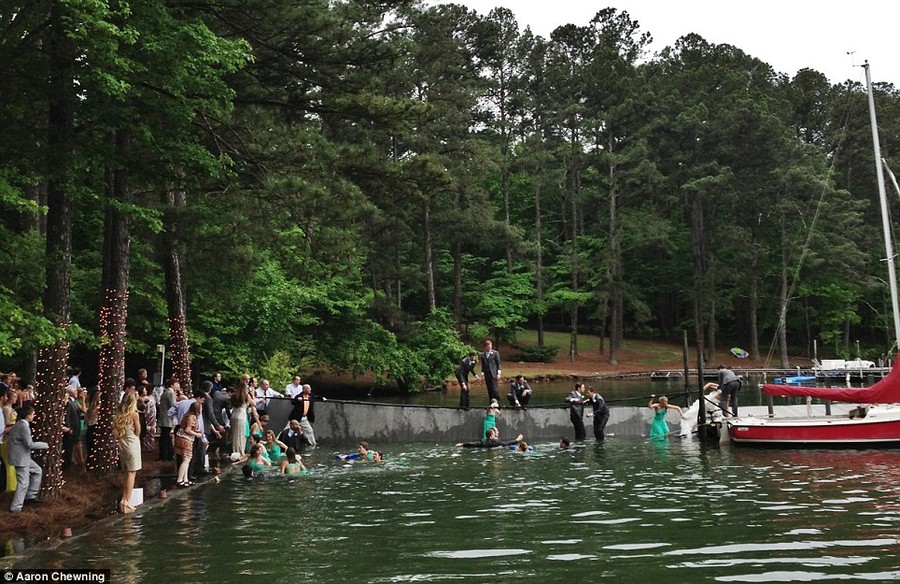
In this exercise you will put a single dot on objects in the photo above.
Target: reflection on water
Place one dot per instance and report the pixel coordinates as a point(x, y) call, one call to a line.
point(617, 511)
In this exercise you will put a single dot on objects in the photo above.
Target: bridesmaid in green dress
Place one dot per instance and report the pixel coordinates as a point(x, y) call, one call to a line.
point(659, 429)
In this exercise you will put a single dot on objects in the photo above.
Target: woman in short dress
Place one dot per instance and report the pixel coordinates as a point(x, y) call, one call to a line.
point(127, 428)
point(187, 432)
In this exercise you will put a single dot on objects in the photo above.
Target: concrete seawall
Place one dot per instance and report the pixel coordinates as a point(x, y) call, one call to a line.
point(341, 422)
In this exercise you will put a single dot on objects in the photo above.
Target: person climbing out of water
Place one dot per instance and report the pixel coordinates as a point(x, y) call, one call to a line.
point(490, 418)
point(492, 441)
point(659, 429)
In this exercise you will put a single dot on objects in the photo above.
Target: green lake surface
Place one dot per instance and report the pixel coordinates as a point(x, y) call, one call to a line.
point(627, 510)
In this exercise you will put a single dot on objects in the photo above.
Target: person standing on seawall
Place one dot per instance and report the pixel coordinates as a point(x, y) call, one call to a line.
point(575, 400)
point(490, 367)
point(466, 367)
point(600, 413)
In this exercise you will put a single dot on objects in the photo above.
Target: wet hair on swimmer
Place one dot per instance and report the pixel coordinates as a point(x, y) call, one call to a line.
point(248, 472)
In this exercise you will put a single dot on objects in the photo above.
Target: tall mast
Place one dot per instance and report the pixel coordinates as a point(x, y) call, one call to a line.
point(882, 196)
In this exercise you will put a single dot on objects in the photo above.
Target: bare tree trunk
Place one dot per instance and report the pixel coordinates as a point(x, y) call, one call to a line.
point(113, 310)
point(50, 374)
point(539, 256)
point(754, 309)
point(429, 258)
point(782, 314)
point(576, 189)
point(457, 270)
point(616, 305)
point(179, 350)
point(699, 260)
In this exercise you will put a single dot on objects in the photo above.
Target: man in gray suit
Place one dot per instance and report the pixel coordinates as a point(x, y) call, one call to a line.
point(28, 473)
point(490, 367)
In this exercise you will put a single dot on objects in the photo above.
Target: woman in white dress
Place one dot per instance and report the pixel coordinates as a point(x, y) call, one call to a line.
point(241, 402)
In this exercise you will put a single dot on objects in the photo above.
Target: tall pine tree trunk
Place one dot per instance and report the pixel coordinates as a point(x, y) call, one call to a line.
point(50, 370)
point(616, 319)
point(539, 259)
point(429, 258)
point(782, 314)
point(754, 308)
point(173, 248)
point(113, 309)
point(457, 268)
point(699, 260)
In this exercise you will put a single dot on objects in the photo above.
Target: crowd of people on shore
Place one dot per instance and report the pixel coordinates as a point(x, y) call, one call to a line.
point(196, 431)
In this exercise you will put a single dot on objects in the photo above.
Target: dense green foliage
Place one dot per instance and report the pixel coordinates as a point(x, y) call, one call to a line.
point(369, 182)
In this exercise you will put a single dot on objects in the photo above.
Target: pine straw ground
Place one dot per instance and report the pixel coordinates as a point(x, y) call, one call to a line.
point(85, 497)
point(89, 497)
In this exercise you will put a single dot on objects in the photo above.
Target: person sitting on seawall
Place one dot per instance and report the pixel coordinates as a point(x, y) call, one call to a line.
point(729, 384)
point(492, 441)
point(659, 429)
point(575, 399)
point(600, 413)
point(490, 418)
point(292, 465)
point(519, 393)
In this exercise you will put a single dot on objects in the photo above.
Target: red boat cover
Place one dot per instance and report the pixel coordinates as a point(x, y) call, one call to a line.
point(886, 391)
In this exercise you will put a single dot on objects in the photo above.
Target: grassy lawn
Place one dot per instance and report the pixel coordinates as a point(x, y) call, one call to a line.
point(644, 353)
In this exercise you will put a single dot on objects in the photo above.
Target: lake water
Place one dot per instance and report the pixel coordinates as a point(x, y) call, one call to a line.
point(626, 510)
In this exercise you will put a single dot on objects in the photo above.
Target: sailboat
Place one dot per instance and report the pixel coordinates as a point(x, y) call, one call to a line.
point(876, 419)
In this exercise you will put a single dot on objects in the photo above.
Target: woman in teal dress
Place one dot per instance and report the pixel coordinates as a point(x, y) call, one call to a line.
point(256, 460)
point(274, 448)
point(490, 418)
point(659, 429)
point(292, 465)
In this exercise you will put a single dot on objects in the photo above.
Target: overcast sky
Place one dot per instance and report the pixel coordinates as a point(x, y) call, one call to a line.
point(787, 34)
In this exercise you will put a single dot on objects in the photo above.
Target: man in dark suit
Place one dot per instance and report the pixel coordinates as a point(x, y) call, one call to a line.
point(490, 367)
point(28, 473)
point(212, 430)
point(293, 437)
point(466, 367)
point(71, 426)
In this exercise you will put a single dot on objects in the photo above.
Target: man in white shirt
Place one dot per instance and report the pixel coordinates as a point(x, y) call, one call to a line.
point(294, 388)
point(263, 394)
